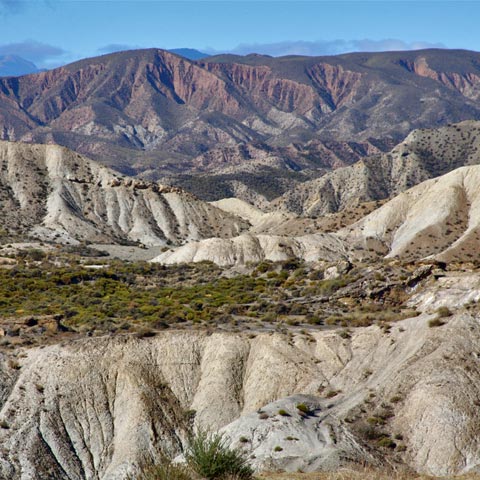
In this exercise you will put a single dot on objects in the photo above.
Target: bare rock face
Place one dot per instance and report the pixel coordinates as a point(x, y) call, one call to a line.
point(467, 84)
point(249, 248)
point(50, 192)
point(281, 437)
point(90, 409)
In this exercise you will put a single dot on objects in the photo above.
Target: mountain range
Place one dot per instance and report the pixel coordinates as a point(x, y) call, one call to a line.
point(239, 119)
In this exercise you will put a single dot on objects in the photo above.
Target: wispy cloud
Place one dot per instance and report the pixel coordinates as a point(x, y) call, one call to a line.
point(39, 53)
point(328, 47)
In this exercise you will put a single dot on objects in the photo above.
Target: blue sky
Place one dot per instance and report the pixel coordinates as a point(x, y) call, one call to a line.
point(53, 32)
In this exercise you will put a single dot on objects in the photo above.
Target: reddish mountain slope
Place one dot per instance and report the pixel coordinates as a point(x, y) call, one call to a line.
point(155, 112)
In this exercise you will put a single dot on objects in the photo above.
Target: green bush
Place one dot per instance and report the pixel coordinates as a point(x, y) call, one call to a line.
point(303, 408)
point(209, 456)
point(435, 322)
point(164, 470)
point(443, 312)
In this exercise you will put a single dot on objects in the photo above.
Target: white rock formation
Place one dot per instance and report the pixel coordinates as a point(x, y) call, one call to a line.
point(248, 248)
point(51, 192)
point(438, 218)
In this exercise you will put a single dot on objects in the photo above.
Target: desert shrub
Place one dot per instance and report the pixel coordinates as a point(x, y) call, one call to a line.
point(331, 393)
point(386, 443)
point(435, 322)
point(208, 455)
point(443, 312)
point(369, 431)
point(283, 413)
point(33, 254)
point(330, 286)
point(301, 407)
point(162, 470)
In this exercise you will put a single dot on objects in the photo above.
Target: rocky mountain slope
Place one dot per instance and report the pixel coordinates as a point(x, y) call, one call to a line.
point(89, 409)
point(152, 111)
point(424, 154)
point(50, 192)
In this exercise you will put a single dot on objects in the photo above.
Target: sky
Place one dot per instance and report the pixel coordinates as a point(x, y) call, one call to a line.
point(54, 32)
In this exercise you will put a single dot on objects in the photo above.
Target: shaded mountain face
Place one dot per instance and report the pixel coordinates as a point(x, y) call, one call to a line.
point(15, 66)
point(156, 113)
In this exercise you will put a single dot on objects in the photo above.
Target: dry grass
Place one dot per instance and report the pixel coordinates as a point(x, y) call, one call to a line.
point(364, 474)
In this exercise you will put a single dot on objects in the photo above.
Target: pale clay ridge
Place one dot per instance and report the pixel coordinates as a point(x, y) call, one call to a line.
point(248, 248)
point(439, 218)
point(262, 222)
point(54, 193)
point(88, 410)
point(424, 154)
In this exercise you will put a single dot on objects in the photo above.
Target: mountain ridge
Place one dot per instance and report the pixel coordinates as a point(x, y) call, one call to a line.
point(16, 66)
point(135, 110)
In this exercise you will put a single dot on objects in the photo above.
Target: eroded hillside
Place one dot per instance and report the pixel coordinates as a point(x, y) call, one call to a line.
point(52, 193)
point(400, 392)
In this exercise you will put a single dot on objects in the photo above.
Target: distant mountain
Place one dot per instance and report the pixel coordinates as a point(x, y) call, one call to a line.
point(257, 123)
point(15, 66)
point(189, 53)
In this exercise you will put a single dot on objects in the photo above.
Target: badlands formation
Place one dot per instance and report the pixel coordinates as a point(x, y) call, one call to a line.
point(52, 193)
point(406, 394)
point(440, 219)
point(383, 371)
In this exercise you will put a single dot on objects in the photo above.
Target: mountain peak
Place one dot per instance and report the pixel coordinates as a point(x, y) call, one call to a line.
point(15, 66)
point(189, 53)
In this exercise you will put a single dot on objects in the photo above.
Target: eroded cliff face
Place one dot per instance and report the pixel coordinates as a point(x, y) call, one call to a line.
point(466, 83)
point(51, 192)
point(265, 89)
point(90, 409)
point(337, 86)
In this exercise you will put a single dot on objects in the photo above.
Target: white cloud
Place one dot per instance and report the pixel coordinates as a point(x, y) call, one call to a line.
point(36, 52)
